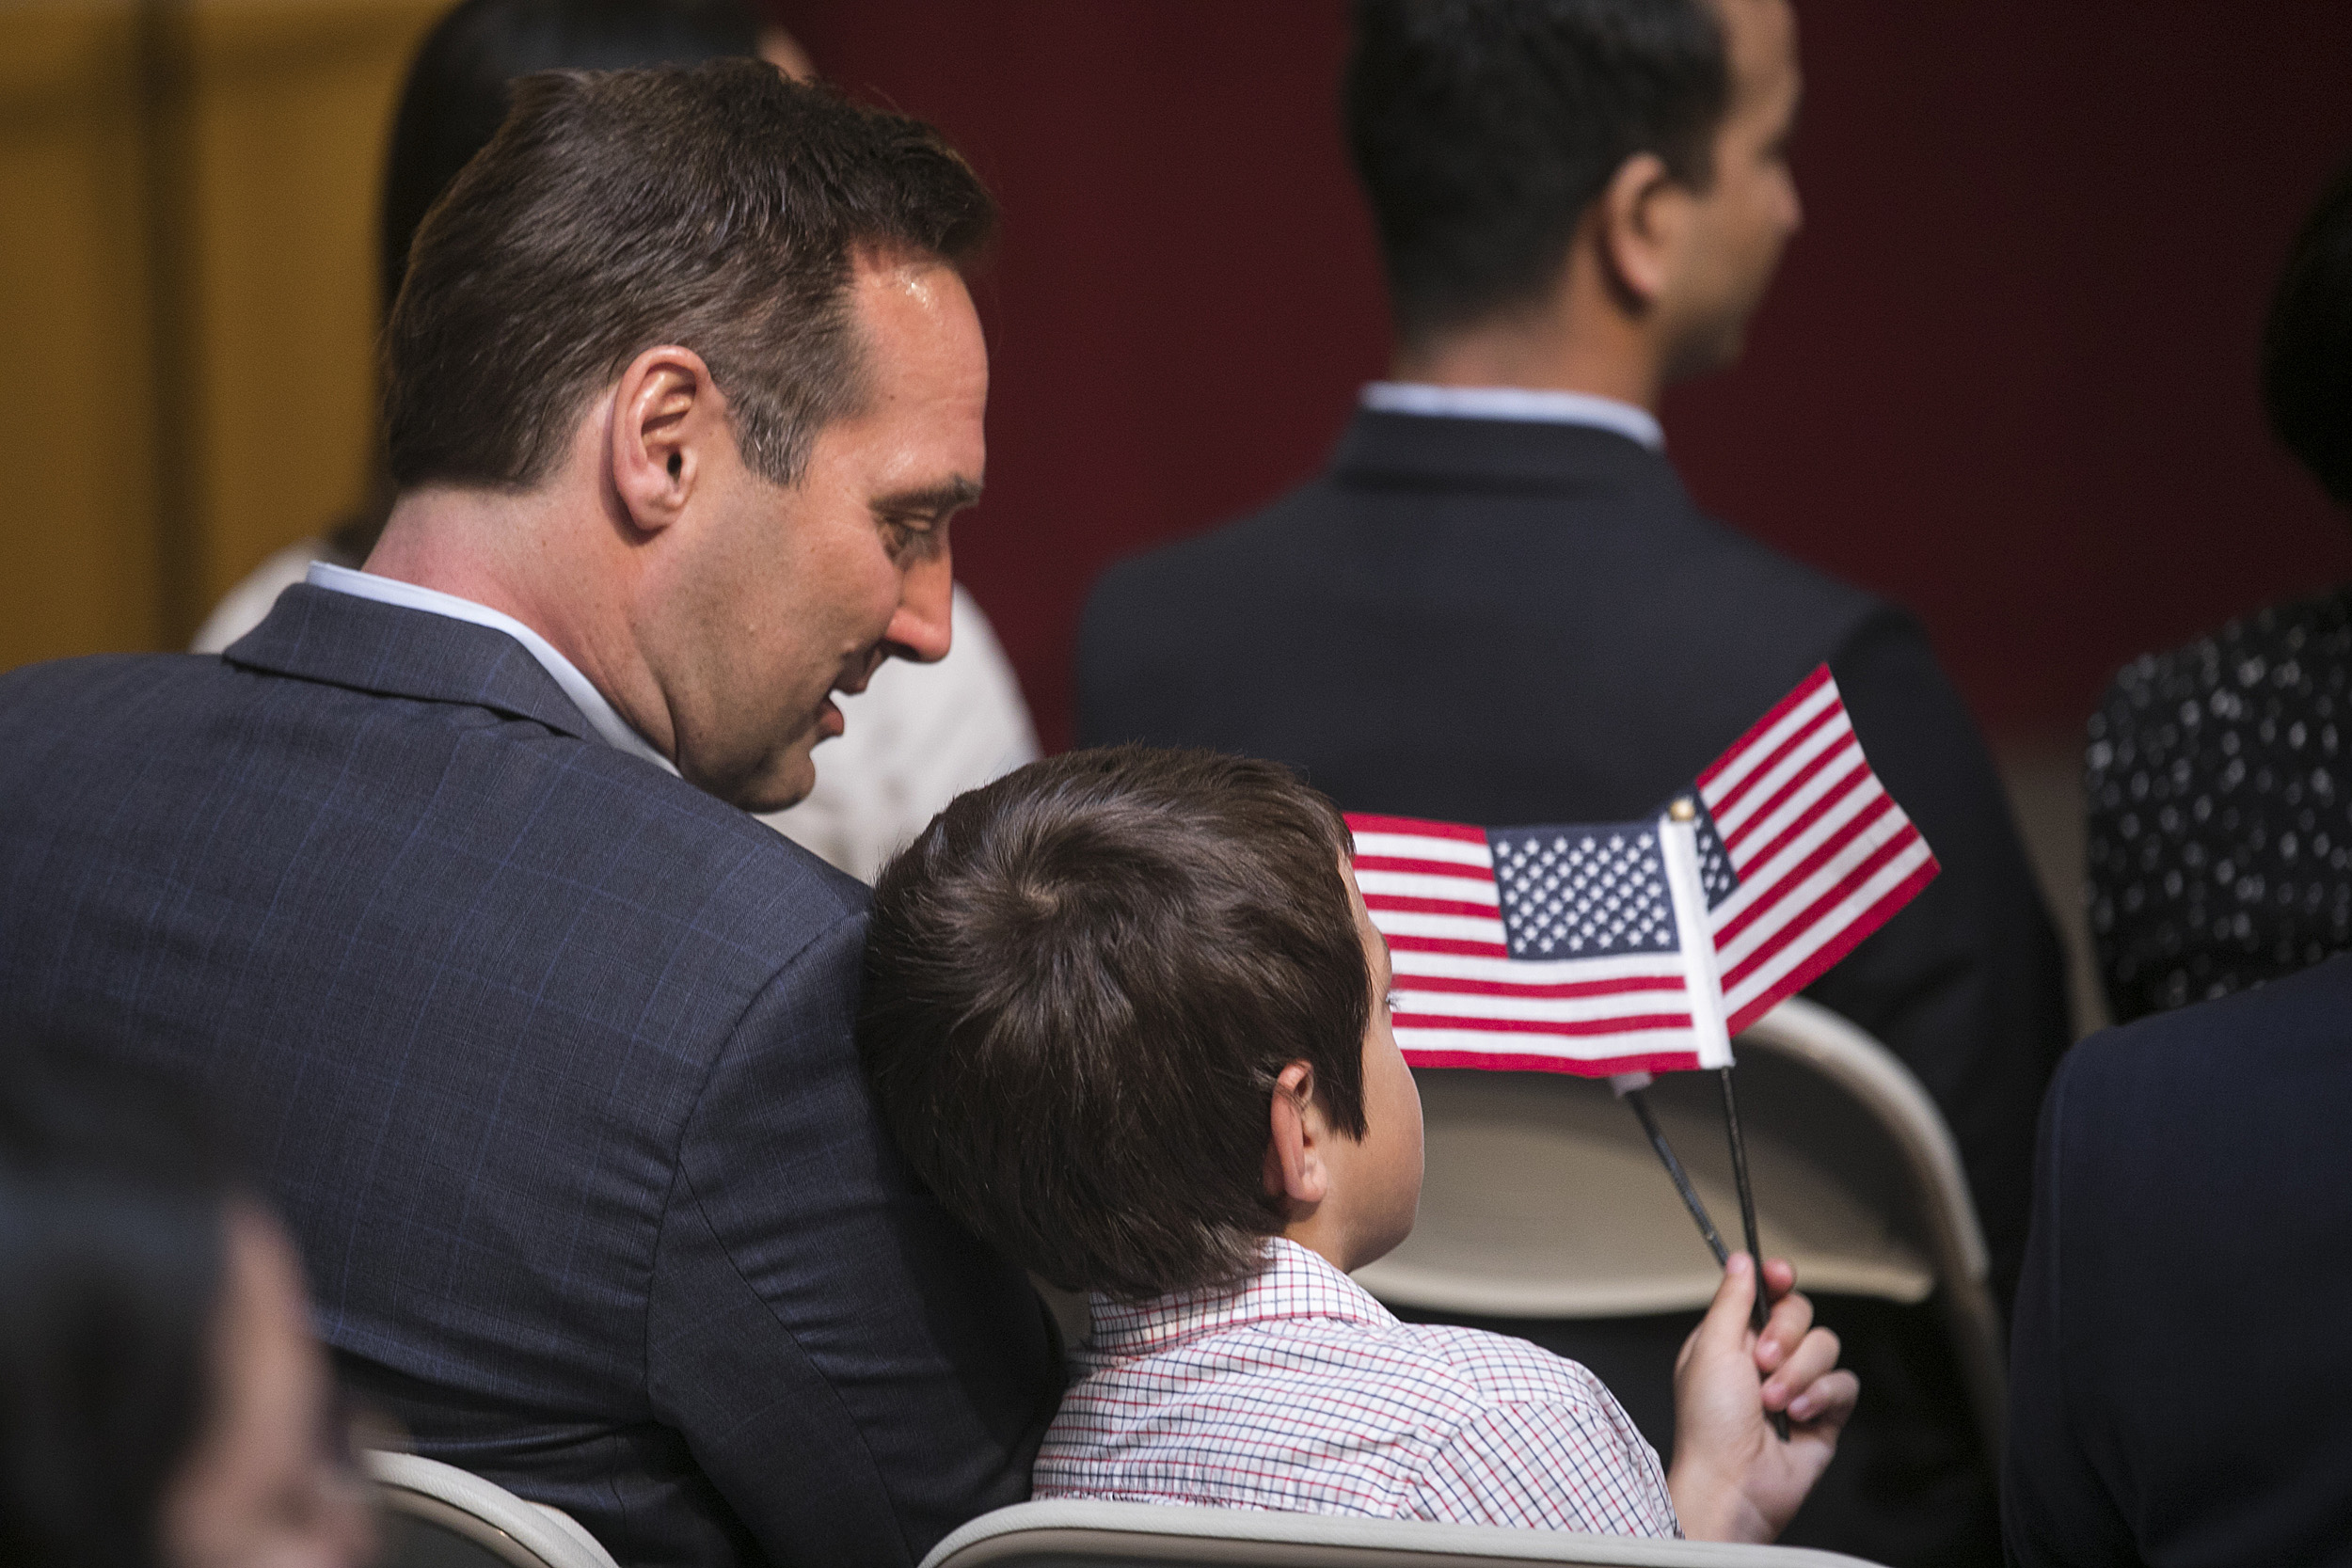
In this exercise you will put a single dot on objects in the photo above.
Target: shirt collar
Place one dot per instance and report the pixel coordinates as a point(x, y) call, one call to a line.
point(1293, 1282)
point(602, 717)
point(1521, 405)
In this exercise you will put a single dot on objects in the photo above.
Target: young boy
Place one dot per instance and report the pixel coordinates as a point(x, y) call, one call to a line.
point(1126, 1014)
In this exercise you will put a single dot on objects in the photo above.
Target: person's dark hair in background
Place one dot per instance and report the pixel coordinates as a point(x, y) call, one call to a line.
point(2307, 347)
point(1150, 937)
point(609, 214)
point(129, 1435)
point(111, 1252)
point(1516, 120)
point(2218, 844)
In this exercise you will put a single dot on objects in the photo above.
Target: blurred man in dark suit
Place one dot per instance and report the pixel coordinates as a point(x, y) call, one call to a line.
point(440, 881)
point(1498, 605)
point(2177, 1385)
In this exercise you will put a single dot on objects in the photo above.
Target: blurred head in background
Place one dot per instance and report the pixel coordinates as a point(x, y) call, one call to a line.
point(1584, 193)
point(2307, 347)
point(162, 1403)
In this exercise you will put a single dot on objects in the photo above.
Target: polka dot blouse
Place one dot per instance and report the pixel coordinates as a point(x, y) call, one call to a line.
point(2218, 787)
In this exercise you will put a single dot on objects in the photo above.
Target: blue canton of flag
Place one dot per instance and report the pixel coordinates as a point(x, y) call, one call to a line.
point(1716, 874)
point(1583, 891)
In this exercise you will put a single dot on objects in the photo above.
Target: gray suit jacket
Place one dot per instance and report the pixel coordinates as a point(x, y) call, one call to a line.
point(546, 1057)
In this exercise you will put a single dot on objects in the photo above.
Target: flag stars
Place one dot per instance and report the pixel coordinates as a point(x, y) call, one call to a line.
point(1600, 893)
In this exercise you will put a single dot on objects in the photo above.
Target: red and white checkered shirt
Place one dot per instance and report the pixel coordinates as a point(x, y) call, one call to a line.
point(1295, 1391)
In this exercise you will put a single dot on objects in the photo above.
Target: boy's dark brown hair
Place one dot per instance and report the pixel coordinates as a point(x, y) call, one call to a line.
point(1081, 984)
point(720, 207)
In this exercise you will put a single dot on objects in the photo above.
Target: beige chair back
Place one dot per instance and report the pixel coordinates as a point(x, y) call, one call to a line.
point(1543, 1198)
point(444, 1517)
point(1143, 1535)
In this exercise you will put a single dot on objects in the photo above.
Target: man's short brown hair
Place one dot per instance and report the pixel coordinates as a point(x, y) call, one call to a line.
point(720, 207)
point(1082, 983)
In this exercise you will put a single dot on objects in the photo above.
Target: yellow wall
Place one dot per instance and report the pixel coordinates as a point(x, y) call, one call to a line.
point(80, 564)
point(188, 298)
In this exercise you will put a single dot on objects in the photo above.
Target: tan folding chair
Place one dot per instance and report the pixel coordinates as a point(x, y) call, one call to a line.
point(440, 1516)
point(1143, 1535)
point(1544, 1200)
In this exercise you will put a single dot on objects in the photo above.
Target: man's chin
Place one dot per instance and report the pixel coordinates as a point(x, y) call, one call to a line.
point(785, 781)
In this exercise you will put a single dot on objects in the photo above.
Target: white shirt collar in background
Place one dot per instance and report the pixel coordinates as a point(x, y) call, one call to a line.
point(602, 718)
point(1521, 404)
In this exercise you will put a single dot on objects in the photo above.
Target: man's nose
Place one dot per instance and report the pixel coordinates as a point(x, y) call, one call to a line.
point(922, 625)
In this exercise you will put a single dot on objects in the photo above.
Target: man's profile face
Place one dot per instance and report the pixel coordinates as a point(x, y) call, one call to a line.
point(1747, 213)
point(801, 591)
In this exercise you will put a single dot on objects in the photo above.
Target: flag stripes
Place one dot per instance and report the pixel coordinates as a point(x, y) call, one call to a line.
point(1822, 852)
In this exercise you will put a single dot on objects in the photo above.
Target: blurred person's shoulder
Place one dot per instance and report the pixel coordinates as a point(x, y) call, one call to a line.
point(1645, 544)
point(2213, 1073)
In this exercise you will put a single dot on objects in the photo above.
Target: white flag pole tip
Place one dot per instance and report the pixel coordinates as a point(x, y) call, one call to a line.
point(1678, 844)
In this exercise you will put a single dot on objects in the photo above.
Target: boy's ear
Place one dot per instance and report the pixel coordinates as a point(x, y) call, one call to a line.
point(1295, 1168)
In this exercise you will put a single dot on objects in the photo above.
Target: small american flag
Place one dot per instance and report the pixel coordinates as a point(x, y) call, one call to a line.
point(1564, 949)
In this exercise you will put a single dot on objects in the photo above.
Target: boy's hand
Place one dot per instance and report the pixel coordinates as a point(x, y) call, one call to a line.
point(1733, 1479)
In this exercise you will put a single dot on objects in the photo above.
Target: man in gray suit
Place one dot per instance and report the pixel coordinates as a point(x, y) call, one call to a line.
point(440, 883)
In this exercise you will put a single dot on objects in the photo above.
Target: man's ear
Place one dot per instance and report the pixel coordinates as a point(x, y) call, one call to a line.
point(665, 411)
point(1639, 220)
point(1294, 1169)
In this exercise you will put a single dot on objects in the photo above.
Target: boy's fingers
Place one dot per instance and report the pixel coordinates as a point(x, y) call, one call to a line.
point(1780, 1277)
point(1814, 1359)
point(1828, 1402)
point(1791, 1316)
point(1727, 1320)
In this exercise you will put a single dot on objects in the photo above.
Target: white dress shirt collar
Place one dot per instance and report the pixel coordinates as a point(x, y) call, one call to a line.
point(1521, 404)
point(602, 718)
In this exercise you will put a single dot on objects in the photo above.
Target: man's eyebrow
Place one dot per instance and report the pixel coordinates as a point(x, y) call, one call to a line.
point(942, 499)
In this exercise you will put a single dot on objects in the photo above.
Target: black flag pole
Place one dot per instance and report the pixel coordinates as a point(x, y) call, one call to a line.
point(1759, 1314)
point(1639, 1102)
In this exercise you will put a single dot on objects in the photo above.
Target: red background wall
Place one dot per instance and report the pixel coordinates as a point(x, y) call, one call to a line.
point(2007, 376)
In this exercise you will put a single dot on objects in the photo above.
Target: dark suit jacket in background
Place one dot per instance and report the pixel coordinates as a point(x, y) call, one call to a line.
point(2180, 1384)
point(1505, 623)
point(546, 1057)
